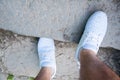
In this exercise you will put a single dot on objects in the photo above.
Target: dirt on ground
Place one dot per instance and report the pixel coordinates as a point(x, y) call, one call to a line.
point(109, 56)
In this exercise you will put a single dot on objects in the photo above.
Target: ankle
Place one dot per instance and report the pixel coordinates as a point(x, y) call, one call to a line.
point(44, 74)
point(47, 70)
point(87, 52)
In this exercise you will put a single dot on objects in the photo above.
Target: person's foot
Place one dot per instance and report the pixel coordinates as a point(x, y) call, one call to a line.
point(93, 35)
point(46, 52)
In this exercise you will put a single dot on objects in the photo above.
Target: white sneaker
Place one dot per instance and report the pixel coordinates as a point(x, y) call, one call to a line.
point(46, 52)
point(94, 33)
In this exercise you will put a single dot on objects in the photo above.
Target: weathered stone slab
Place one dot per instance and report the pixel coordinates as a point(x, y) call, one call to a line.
point(18, 56)
point(62, 20)
point(3, 76)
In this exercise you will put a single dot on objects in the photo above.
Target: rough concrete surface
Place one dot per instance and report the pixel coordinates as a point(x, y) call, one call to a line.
point(18, 56)
point(62, 20)
point(3, 76)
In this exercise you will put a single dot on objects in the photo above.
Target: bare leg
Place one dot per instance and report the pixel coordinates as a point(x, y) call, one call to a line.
point(93, 69)
point(44, 74)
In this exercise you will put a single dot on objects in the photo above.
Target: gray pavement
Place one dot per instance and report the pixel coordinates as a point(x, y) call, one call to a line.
point(18, 56)
point(62, 20)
